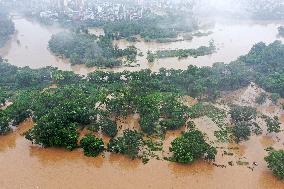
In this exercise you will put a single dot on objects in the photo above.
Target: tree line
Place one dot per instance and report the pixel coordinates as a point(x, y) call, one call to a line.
point(82, 48)
point(97, 100)
point(7, 27)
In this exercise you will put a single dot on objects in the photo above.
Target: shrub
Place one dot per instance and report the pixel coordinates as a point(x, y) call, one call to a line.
point(191, 146)
point(274, 97)
point(128, 144)
point(4, 123)
point(275, 161)
point(92, 145)
point(273, 125)
point(242, 113)
point(54, 130)
point(261, 99)
point(108, 127)
point(242, 131)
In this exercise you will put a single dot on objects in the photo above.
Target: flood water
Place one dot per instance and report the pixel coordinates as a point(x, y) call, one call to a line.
point(28, 47)
point(26, 166)
point(231, 38)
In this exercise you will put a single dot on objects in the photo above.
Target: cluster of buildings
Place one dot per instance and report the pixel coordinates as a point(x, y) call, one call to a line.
point(98, 10)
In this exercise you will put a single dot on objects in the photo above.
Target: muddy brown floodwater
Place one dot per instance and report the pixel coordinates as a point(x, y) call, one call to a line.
point(28, 47)
point(26, 166)
point(232, 39)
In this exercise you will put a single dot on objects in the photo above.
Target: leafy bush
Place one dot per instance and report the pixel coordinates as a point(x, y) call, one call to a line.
point(273, 125)
point(4, 123)
point(149, 110)
point(261, 98)
point(274, 97)
point(55, 130)
point(173, 112)
point(242, 131)
point(275, 161)
point(242, 113)
point(128, 144)
point(92, 145)
point(191, 146)
point(108, 127)
point(21, 108)
point(184, 53)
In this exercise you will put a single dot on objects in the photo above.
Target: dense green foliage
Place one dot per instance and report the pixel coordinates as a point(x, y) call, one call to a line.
point(150, 57)
point(266, 61)
point(273, 124)
point(7, 27)
point(243, 118)
point(81, 48)
point(14, 78)
point(184, 53)
point(77, 102)
point(242, 131)
point(275, 161)
point(4, 123)
point(242, 113)
point(51, 131)
point(150, 28)
point(191, 146)
point(57, 113)
point(174, 113)
point(92, 145)
point(128, 144)
point(108, 127)
point(149, 109)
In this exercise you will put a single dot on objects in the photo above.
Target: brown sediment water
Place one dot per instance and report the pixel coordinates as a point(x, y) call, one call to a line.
point(23, 165)
point(28, 47)
point(232, 39)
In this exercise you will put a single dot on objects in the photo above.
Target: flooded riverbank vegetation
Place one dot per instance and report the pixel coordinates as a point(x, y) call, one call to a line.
point(153, 27)
point(7, 27)
point(99, 100)
point(81, 48)
point(184, 53)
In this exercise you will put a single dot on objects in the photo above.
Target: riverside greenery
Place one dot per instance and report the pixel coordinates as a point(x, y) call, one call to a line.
point(79, 101)
point(82, 48)
point(7, 27)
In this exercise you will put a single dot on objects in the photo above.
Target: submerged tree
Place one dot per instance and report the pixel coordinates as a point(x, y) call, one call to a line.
point(92, 145)
point(275, 161)
point(273, 124)
point(191, 146)
point(128, 144)
point(242, 131)
point(242, 113)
